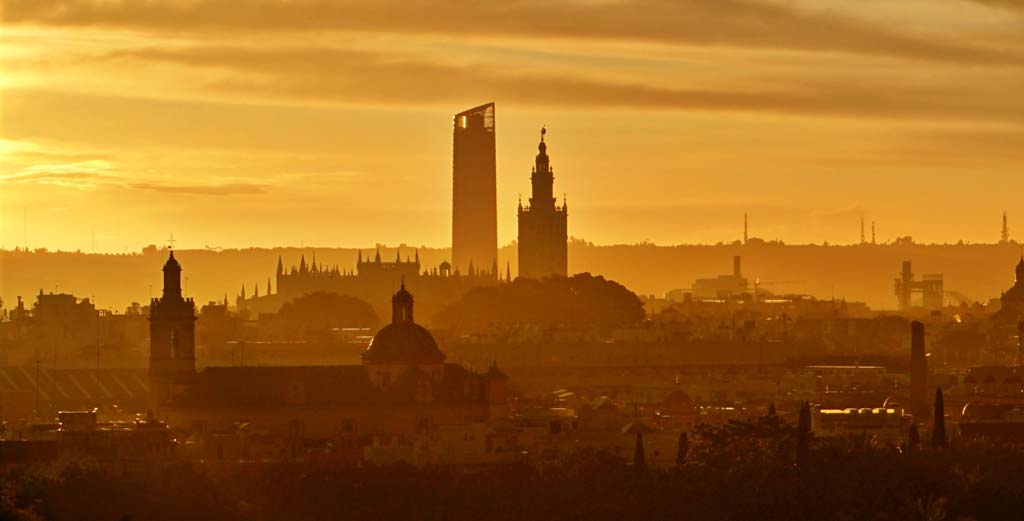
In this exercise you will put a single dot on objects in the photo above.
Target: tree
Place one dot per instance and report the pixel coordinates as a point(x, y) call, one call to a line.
point(580, 300)
point(761, 442)
point(803, 437)
point(639, 462)
point(317, 313)
point(939, 427)
point(684, 447)
point(913, 437)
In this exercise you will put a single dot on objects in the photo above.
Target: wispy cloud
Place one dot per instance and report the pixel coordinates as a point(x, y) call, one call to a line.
point(203, 189)
point(91, 174)
point(737, 23)
point(1005, 4)
point(83, 174)
point(337, 75)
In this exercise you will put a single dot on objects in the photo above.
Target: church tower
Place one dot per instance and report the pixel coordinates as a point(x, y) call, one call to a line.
point(172, 344)
point(543, 229)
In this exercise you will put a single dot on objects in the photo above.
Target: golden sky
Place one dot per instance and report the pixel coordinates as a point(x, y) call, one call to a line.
point(328, 123)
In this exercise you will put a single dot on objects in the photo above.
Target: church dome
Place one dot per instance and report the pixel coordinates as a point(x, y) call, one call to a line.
point(403, 340)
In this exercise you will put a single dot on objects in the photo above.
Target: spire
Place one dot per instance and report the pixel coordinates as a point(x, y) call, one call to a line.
point(542, 179)
point(417, 256)
point(398, 255)
point(314, 269)
point(255, 290)
point(302, 265)
point(268, 285)
point(280, 266)
point(242, 295)
point(494, 269)
point(172, 278)
point(360, 261)
point(376, 258)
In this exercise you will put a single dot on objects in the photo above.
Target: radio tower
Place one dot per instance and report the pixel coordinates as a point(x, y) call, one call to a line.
point(1005, 237)
point(872, 232)
point(862, 241)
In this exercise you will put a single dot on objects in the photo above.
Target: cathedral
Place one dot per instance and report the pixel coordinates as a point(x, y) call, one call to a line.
point(543, 232)
point(1011, 309)
point(403, 387)
point(372, 280)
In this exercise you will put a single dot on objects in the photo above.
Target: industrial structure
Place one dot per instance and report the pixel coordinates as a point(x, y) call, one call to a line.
point(930, 287)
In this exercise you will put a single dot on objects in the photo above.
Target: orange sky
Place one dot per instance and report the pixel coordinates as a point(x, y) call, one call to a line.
point(324, 123)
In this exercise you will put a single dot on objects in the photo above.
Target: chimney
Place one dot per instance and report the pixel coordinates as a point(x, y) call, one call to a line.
point(736, 266)
point(918, 372)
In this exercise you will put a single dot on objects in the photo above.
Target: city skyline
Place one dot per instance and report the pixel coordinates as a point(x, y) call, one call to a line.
point(179, 115)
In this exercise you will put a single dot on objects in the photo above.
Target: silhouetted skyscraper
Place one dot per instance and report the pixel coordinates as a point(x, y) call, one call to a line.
point(474, 189)
point(543, 233)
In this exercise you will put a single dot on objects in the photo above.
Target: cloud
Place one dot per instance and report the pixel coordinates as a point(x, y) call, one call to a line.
point(1005, 4)
point(203, 189)
point(90, 174)
point(346, 76)
point(735, 23)
point(83, 174)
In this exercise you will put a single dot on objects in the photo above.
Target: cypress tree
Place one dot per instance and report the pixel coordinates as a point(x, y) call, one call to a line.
point(684, 448)
point(913, 437)
point(939, 427)
point(803, 435)
point(639, 462)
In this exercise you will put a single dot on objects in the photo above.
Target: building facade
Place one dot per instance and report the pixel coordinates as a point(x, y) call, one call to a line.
point(403, 388)
point(474, 189)
point(543, 230)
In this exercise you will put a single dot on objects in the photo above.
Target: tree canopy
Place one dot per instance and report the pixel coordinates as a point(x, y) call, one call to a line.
point(316, 313)
point(582, 299)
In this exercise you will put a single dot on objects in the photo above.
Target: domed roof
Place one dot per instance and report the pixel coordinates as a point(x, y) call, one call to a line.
point(403, 340)
point(172, 263)
point(400, 342)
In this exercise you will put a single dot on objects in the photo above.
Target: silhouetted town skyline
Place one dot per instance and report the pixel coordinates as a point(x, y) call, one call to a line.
point(299, 260)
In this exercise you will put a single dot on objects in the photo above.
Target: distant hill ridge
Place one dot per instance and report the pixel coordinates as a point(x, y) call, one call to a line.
point(854, 272)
